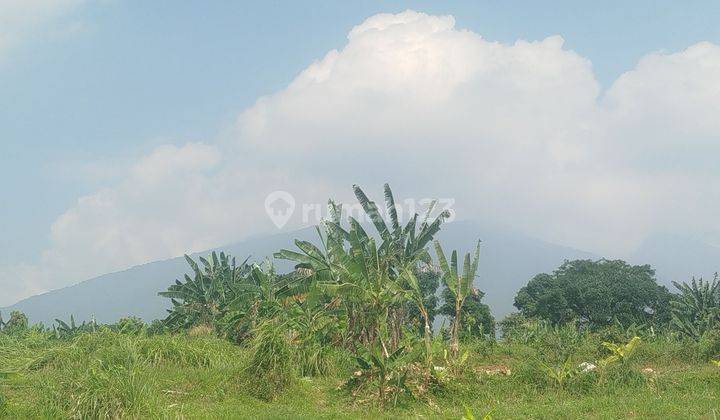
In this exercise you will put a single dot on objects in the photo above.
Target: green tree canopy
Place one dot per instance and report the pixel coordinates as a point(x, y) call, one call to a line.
point(596, 293)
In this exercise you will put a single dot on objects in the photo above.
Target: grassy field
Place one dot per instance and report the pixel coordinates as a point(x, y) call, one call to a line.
point(108, 374)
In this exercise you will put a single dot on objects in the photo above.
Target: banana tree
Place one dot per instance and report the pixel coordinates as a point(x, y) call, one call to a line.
point(459, 284)
point(387, 371)
point(201, 299)
point(65, 330)
point(259, 295)
point(366, 281)
point(404, 246)
point(352, 268)
point(620, 352)
point(418, 299)
point(368, 274)
point(697, 307)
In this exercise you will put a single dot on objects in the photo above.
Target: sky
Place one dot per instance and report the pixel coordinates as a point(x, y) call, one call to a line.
point(132, 131)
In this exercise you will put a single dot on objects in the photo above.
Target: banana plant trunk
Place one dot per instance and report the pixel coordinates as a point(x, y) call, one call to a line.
point(428, 339)
point(454, 346)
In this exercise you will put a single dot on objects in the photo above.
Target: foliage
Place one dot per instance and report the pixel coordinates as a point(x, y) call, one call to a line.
point(17, 323)
point(596, 293)
point(468, 415)
point(459, 284)
point(620, 352)
point(709, 344)
point(67, 330)
point(179, 376)
point(560, 374)
point(428, 281)
point(156, 327)
point(371, 279)
point(202, 298)
point(557, 342)
point(476, 319)
point(377, 367)
point(313, 332)
point(696, 310)
point(367, 299)
point(387, 373)
point(270, 367)
point(130, 325)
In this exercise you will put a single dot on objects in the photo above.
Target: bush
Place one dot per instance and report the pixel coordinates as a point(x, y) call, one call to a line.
point(270, 369)
point(130, 325)
point(709, 345)
point(17, 323)
point(157, 327)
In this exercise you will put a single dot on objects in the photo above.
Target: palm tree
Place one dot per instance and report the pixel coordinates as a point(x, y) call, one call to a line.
point(697, 307)
point(460, 284)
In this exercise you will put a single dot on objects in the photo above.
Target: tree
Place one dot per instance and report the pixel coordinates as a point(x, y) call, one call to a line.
point(596, 293)
point(371, 277)
point(476, 320)
point(459, 284)
point(696, 309)
point(428, 281)
point(544, 297)
point(18, 322)
point(201, 299)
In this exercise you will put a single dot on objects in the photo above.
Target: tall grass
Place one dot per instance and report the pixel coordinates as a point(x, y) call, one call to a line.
point(270, 369)
point(108, 374)
point(114, 375)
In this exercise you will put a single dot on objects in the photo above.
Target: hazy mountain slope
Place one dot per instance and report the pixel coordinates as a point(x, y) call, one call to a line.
point(678, 258)
point(134, 291)
point(508, 261)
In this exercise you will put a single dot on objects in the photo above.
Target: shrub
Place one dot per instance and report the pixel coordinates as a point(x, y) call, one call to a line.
point(270, 369)
point(18, 322)
point(130, 325)
point(709, 344)
point(157, 327)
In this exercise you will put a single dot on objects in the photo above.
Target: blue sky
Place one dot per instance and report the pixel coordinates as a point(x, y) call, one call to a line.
point(93, 87)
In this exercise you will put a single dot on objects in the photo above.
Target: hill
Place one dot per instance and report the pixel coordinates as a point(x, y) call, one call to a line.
point(508, 261)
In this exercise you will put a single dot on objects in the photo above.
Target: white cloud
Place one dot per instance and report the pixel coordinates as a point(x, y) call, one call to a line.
point(21, 20)
point(519, 134)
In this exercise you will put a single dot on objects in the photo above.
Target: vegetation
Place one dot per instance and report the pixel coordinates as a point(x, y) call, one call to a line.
point(350, 332)
point(596, 294)
point(696, 311)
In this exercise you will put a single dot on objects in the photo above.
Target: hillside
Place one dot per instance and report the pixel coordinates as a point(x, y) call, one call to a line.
point(678, 258)
point(508, 261)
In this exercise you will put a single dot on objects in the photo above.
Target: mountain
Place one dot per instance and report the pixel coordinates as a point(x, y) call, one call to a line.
point(508, 261)
point(678, 258)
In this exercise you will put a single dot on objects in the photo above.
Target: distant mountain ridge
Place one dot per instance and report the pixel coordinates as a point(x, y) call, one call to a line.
point(678, 258)
point(508, 260)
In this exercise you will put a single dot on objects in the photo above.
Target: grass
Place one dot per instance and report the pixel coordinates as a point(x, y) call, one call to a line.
point(112, 375)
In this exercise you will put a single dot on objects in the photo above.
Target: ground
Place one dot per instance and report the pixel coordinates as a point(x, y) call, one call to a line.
point(114, 375)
